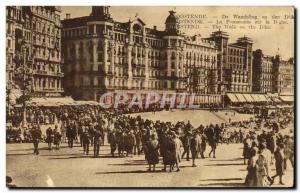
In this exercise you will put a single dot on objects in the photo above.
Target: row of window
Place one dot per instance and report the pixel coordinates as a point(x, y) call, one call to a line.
point(236, 52)
point(46, 54)
point(47, 67)
point(41, 83)
point(45, 12)
point(45, 27)
point(200, 48)
point(14, 13)
point(238, 60)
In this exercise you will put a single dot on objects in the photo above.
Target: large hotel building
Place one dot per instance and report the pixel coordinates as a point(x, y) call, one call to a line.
point(88, 56)
point(102, 55)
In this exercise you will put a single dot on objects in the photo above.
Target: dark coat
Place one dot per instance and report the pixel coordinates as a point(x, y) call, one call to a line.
point(151, 152)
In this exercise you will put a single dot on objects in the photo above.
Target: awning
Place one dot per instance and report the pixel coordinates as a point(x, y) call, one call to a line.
point(240, 98)
point(267, 98)
point(232, 97)
point(287, 98)
point(262, 98)
point(275, 99)
point(256, 97)
point(248, 97)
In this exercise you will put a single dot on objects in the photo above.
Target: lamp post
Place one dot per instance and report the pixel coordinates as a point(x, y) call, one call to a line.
point(24, 76)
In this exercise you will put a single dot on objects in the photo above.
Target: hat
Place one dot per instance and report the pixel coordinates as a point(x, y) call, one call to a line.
point(153, 136)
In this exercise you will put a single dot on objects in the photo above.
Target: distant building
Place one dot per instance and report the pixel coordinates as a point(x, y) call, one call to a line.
point(283, 76)
point(262, 80)
point(102, 55)
point(33, 39)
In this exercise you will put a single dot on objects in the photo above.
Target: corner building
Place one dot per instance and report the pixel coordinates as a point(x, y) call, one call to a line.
point(102, 55)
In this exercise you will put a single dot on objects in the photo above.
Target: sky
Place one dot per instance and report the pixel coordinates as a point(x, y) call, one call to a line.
point(278, 39)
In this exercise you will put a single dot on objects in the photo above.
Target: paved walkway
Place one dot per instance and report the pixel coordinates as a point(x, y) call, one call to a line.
point(70, 168)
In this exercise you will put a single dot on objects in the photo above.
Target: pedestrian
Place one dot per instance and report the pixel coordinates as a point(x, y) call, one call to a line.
point(57, 138)
point(169, 157)
point(129, 142)
point(86, 141)
point(194, 147)
point(178, 145)
point(186, 145)
point(151, 152)
point(279, 163)
point(36, 134)
point(69, 135)
point(256, 170)
point(138, 142)
point(288, 151)
point(266, 153)
point(80, 132)
point(112, 141)
point(212, 140)
point(49, 137)
point(97, 142)
point(247, 149)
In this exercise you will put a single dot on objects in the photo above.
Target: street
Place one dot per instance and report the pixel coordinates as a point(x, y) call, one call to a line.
point(70, 168)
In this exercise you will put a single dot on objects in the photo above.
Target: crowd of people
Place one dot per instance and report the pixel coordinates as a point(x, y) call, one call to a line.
point(264, 150)
point(128, 135)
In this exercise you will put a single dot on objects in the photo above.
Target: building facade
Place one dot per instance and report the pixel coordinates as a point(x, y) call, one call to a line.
point(234, 63)
point(283, 76)
point(262, 81)
point(102, 55)
point(33, 49)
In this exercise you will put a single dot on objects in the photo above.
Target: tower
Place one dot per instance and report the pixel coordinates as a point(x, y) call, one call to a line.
point(223, 73)
point(172, 24)
point(101, 12)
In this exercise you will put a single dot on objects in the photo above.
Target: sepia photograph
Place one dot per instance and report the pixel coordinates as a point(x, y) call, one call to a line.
point(150, 96)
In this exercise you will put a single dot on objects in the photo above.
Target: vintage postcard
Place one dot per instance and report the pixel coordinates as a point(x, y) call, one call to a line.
point(150, 96)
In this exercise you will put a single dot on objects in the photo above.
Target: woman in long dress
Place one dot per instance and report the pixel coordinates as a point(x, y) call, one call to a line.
point(169, 153)
point(151, 152)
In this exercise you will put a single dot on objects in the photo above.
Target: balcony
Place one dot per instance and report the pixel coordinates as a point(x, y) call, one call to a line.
point(40, 72)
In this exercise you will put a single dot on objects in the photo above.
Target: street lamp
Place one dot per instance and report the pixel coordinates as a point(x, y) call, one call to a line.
point(24, 76)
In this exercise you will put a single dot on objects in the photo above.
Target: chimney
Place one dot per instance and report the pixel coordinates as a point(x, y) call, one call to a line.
point(68, 16)
point(154, 27)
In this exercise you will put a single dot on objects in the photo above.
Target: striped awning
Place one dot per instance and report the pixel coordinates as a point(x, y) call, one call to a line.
point(248, 97)
point(232, 97)
point(240, 97)
point(256, 97)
